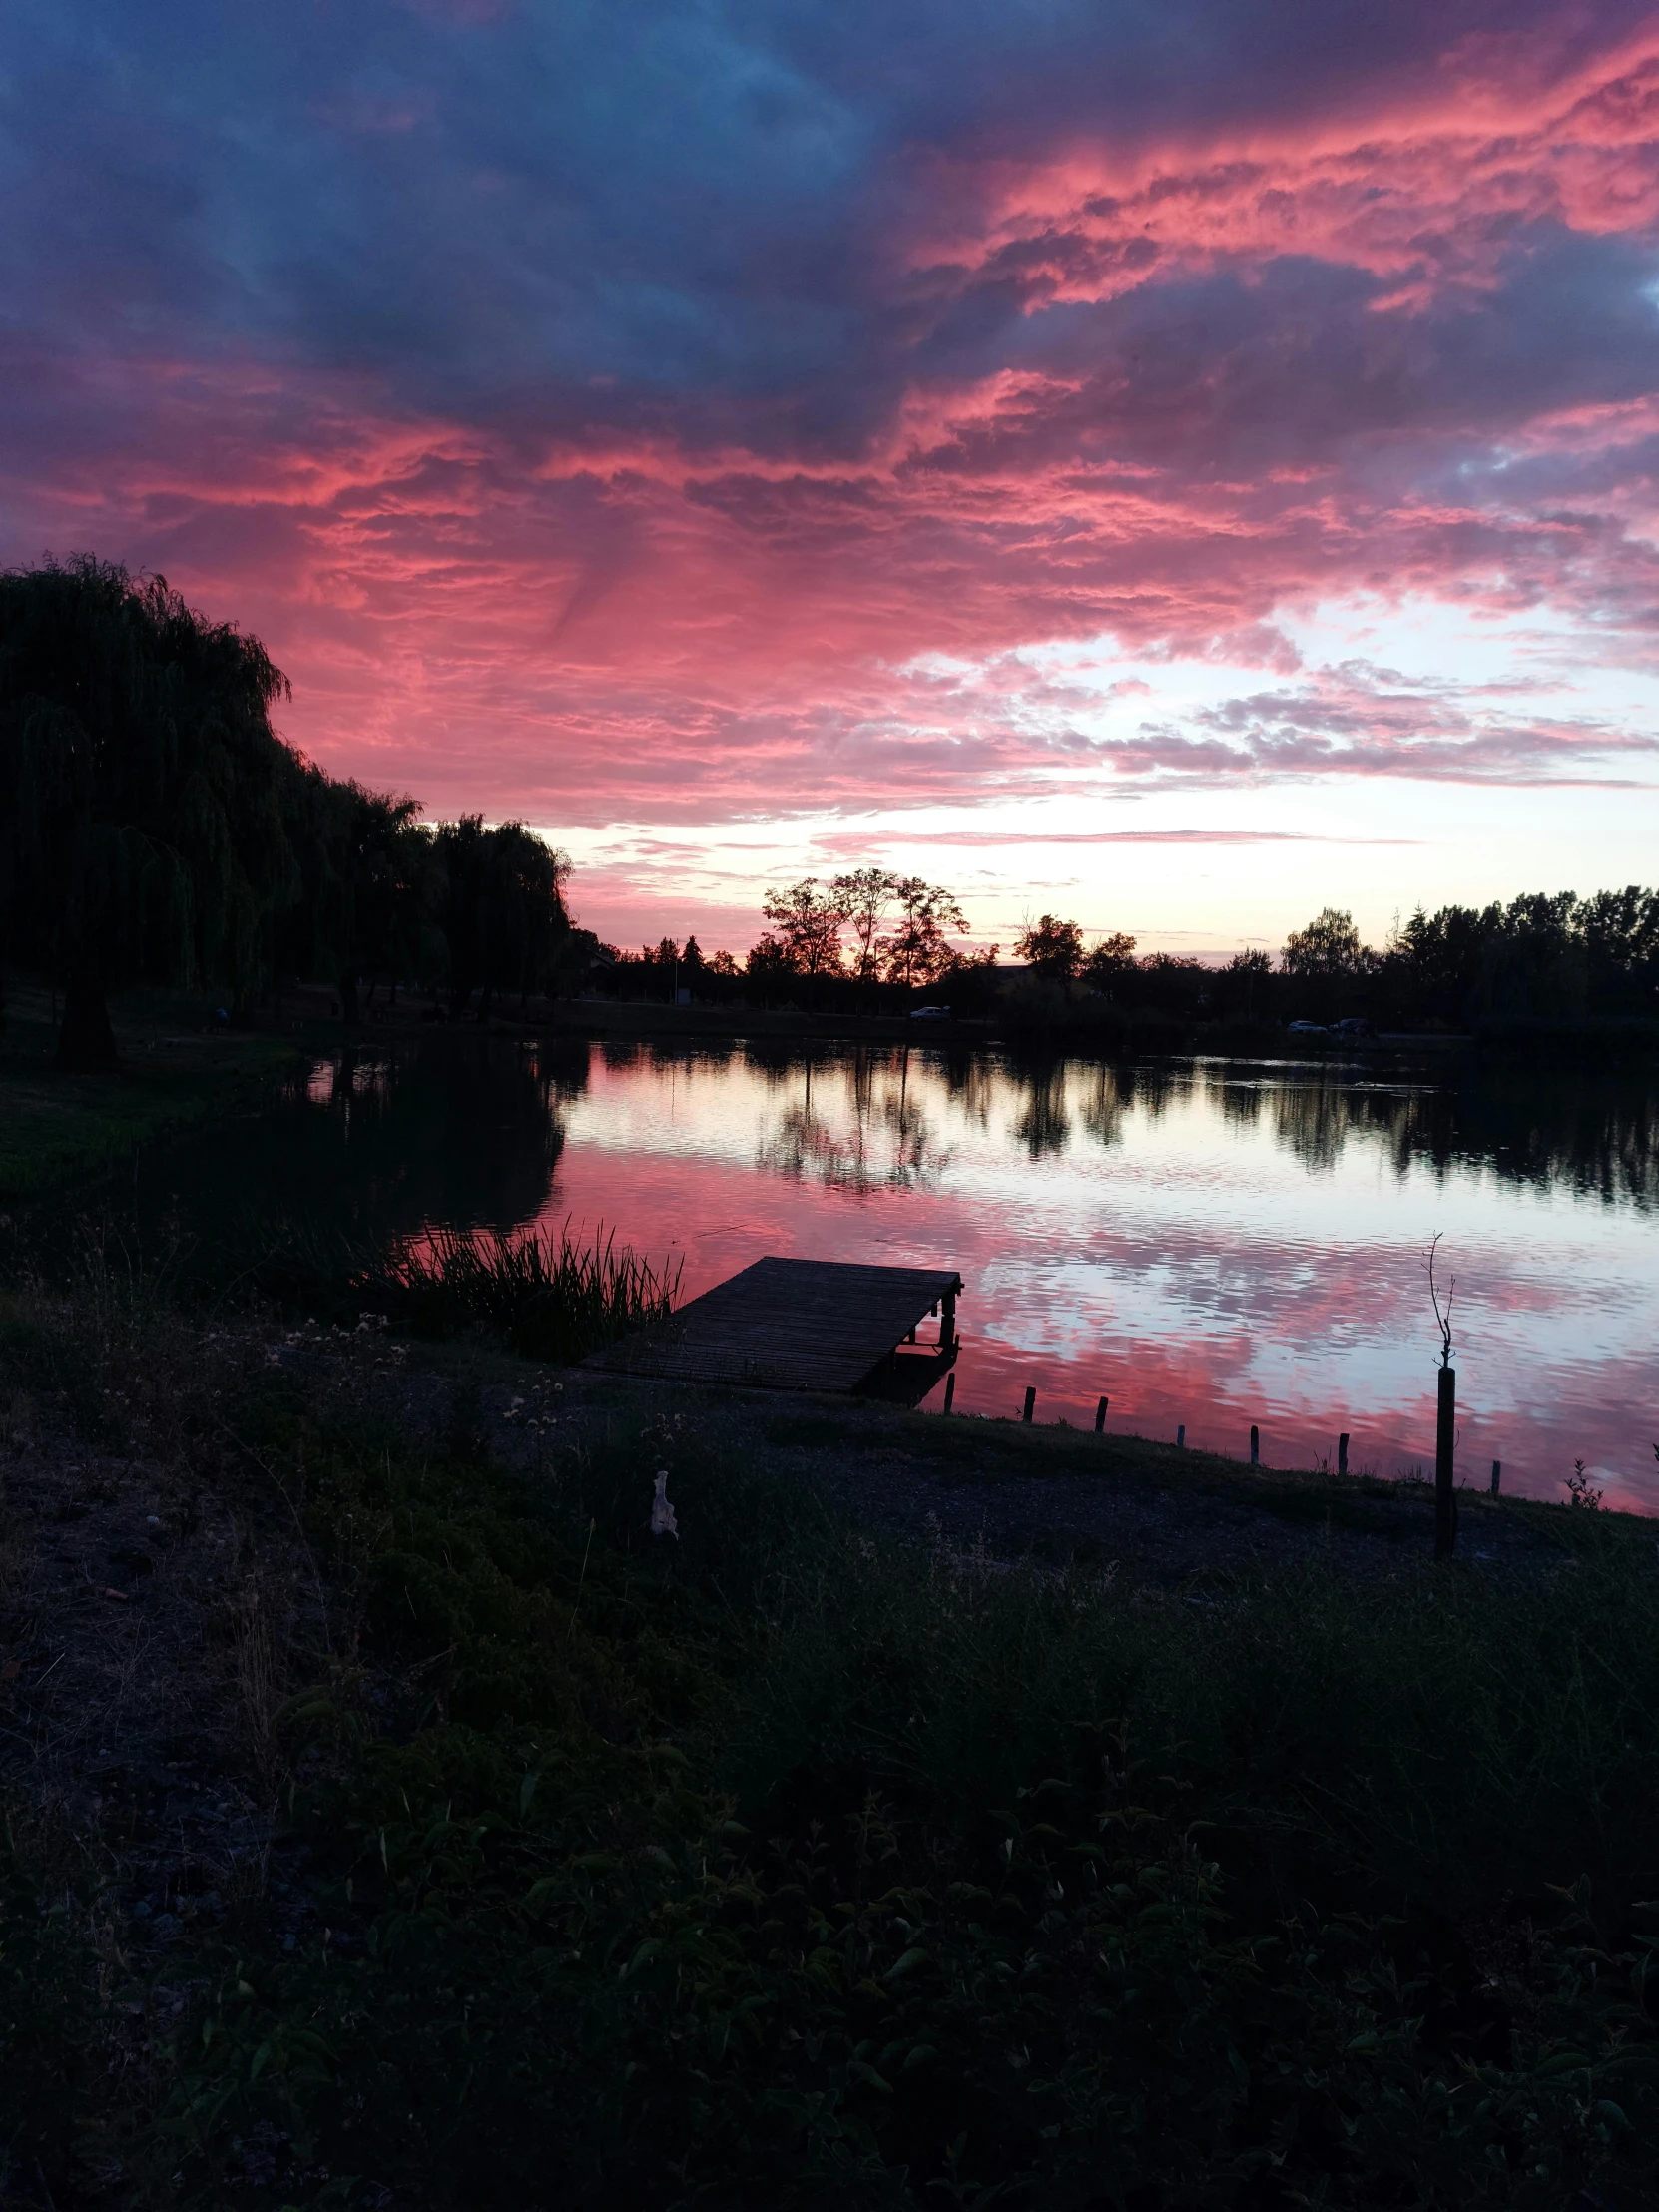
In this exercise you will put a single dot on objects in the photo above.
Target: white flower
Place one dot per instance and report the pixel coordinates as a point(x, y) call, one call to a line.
point(661, 1513)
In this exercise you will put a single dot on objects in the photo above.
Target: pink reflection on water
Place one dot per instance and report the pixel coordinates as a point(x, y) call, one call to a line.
point(1207, 1247)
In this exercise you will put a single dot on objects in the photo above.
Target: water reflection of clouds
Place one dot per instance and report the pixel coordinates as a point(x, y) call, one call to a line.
point(1212, 1245)
point(1550, 1140)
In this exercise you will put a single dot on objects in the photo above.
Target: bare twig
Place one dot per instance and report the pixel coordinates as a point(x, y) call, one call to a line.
point(1442, 1320)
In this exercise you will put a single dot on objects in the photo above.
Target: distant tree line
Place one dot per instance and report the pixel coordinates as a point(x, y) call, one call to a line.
point(868, 938)
point(154, 829)
point(1552, 958)
point(872, 939)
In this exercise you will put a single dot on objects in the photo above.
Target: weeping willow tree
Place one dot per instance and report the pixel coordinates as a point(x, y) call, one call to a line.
point(503, 912)
point(142, 793)
point(372, 887)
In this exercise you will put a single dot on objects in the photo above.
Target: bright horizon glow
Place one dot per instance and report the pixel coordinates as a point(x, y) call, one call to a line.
point(1178, 474)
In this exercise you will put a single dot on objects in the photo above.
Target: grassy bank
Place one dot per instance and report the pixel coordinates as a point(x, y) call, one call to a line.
point(772, 1862)
point(175, 1070)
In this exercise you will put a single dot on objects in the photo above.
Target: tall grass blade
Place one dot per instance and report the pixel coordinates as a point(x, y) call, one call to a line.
point(546, 1295)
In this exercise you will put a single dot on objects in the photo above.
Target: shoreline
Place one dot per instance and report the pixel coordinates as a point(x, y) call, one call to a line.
point(640, 1018)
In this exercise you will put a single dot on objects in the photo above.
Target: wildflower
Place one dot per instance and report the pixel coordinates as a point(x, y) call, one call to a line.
point(661, 1513)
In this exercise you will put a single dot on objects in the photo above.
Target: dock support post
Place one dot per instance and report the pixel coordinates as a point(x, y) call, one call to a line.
point(948, 1321)
point(1100, 1416)
point(1497, 1475)
point(1255, 1445)
point(1445, 1439)
point(1342, 1453)
point(949, 1390)
point(1181, 1436)
point(1031, 1402)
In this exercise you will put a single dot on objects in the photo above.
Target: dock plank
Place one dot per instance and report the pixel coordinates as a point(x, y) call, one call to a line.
point(788, 1324)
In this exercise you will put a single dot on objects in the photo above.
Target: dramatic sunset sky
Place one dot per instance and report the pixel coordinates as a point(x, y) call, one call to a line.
point(1178, 462)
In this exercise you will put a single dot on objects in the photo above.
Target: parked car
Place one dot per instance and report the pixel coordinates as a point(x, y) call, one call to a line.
point(930, 1013)
point(1308, 1029)
point(1355, 1027)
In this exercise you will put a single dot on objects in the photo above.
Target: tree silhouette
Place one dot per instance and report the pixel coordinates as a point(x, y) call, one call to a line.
point(1110, 962)
point(918, 951)
point(1329, 946)
point(864, 897)
point(142, 791)
point(808, 922)
point(502, 909)
point(1053, 947)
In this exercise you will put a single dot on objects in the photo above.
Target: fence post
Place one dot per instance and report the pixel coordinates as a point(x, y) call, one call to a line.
point(1497, 1475)
point(1342, 1453)
point(1255, 1445)
point(1031, 1402)
point(949, 1390)
point(1445, 1437)
point(1100, 1416)
point(1181, 1436)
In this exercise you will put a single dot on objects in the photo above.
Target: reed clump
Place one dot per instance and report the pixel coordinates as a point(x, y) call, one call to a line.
point(544, 1296)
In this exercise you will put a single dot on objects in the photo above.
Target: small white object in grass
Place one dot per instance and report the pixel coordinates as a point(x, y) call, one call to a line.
point(661, 1513)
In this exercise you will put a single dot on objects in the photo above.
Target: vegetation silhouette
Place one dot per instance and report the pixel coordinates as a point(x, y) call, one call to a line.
point(155, 829)
point(142, 789)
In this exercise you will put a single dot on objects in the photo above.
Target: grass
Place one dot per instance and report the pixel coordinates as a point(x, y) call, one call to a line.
point(55, 1127)
point(793, 1870)
point(776, 1865)
point(543, 1297)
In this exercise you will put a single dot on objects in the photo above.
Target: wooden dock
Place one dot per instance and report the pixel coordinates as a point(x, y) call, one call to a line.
point(803, 1325)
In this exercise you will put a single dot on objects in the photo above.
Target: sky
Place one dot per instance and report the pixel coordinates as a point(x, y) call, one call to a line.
point(1174, 465)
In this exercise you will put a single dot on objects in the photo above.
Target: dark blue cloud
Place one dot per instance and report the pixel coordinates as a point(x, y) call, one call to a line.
point(732, 358)
point(567, 214)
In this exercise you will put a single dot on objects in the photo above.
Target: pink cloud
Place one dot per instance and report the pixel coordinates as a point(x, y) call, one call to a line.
point(861, 841)
point(1168, 394)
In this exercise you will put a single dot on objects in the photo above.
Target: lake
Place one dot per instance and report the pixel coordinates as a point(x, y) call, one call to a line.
point(1209, 1244)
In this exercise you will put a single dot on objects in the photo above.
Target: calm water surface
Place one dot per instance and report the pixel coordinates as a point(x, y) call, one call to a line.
point(1209, 1244)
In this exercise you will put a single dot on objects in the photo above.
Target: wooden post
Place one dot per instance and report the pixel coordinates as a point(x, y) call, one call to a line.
point(1342, 1453)
point(949, 1390)
point(947, 1321)
point(1181, 1436)
point(1100, 1416)
point(1445, 1437)
point(1497, 1474)
point(1255, 1445)
point(1031, 1402)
